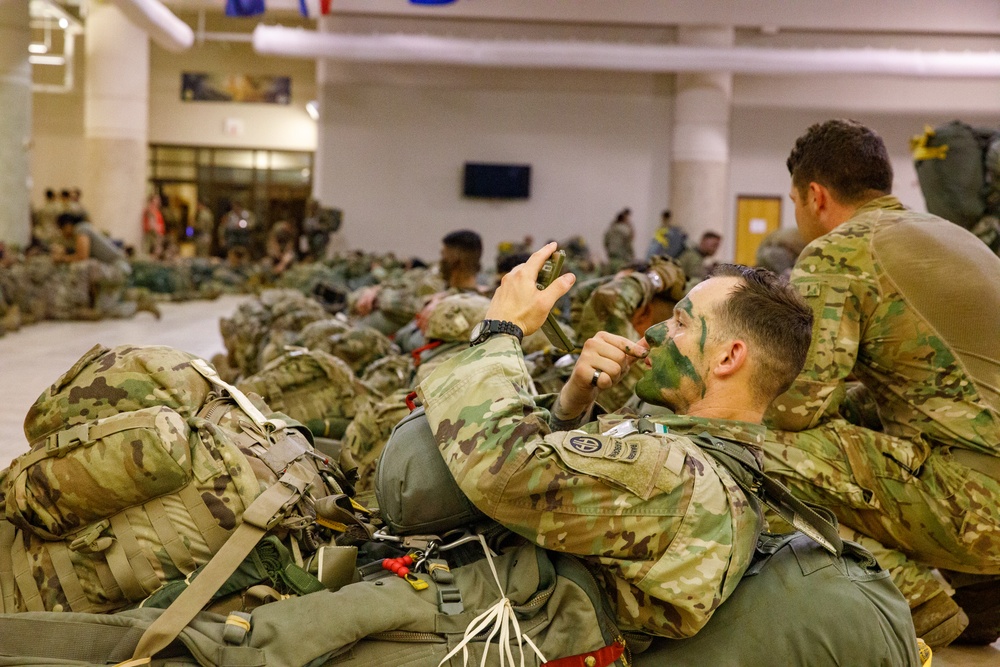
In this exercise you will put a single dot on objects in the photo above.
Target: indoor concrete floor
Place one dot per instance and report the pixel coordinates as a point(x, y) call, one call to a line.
point(32, 358)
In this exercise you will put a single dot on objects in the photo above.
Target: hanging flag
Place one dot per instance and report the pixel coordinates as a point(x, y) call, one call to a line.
point(244, 7)
point(313, 8)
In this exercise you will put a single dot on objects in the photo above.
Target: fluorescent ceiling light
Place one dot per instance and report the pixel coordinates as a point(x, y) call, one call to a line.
point(37, 48)
point(312, 108)
point(46, 60)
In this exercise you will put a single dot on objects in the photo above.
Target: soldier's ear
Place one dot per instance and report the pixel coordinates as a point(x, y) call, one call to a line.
point(731, 357)
point(817, 197)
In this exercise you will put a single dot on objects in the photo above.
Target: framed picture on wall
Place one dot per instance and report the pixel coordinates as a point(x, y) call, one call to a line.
point(205, 87)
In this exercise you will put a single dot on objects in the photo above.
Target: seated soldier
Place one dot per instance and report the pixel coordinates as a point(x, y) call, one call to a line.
point(103, 265)
point(391, 305)
point(662, 524)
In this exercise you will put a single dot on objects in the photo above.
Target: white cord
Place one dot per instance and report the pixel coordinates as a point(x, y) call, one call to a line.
point(500, 616)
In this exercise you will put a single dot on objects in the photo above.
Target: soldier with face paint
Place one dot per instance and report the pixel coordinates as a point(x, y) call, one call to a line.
point(662, 525)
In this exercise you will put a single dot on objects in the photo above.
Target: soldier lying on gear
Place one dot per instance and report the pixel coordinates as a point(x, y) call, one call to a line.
point(627, 306)
point(665, 527)
point(909, 304)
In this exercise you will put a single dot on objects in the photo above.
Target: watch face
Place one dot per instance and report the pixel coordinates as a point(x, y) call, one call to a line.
point(477, 331)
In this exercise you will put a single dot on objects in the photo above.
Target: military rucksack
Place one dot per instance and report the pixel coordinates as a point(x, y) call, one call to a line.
point(312, 387)
point(144, 466)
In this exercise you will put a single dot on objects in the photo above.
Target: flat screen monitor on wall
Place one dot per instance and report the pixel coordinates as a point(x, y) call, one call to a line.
point(496, 181)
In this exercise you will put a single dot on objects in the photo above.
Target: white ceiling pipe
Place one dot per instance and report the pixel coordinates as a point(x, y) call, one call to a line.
point(162, 26)
point(300, 43)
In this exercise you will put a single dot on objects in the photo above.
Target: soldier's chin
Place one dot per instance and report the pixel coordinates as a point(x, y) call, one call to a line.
point(659, 398)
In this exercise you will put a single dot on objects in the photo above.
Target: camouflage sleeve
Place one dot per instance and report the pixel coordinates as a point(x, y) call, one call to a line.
point(611, 306)
point(841, 295)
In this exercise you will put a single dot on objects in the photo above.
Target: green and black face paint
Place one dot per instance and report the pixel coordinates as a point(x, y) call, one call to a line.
point(673, 377)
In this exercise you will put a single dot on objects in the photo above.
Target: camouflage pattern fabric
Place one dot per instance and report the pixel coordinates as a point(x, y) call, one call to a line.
point(139, 471)
point(366, 436)
point(453, 318)
point(668, 527)
point(889, 314)
point(390, 373)
point(255, 323)
point(359, 347)
point(69, 290)
point(618, 244)
point(312, 387)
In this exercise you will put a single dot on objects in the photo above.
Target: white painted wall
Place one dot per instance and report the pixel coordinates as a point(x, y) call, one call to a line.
point(57, 151)
point(393, 156)
point(270, 126)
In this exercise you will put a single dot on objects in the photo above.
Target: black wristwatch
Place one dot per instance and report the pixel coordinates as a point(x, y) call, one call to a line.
point(482, 331)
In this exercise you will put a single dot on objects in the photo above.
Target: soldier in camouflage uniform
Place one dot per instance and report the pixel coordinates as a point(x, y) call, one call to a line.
point(390, 306)
point(618, 240)
point(664, 527)
point(881, 280)
point(627, 306)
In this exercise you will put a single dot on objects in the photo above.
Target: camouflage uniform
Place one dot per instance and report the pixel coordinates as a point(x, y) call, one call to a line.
point(890, 313)
point(618, 244)
point(664, 526)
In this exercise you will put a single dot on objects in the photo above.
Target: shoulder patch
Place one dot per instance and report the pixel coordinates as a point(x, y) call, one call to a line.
point(614, 449)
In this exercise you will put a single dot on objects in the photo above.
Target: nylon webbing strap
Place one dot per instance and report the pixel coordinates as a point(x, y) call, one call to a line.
point(241, 399)
point(108, 583)
point(22, 575)
point(172, 542)
point(69, 581)
point(215, 535)
point(748, 475)
point(135, 557)
point(7, 536)
point(55, 639)
point(191, 601)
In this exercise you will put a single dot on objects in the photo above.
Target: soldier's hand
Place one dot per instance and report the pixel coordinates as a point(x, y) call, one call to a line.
point(671, 276)
point(366, 301)
point(519, 301)
point(603, 362)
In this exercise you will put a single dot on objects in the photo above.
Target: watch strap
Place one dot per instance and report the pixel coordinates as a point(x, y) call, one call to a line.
point(490, 327)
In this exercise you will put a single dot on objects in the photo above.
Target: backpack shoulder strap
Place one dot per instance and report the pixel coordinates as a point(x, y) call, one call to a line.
point(748, 475)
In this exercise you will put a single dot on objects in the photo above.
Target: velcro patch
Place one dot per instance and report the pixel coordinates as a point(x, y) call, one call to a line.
point(614, 449)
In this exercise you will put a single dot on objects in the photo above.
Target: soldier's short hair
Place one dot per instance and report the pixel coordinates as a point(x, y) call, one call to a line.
point(69, 219)
point(844, 156)
point(773, 318)
point(469, 246)
point(464, 239)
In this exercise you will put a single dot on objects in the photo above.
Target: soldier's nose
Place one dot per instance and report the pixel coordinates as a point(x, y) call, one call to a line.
point(656, 334)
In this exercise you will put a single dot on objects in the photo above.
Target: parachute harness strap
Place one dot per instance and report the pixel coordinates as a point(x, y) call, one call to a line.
point(500, 617)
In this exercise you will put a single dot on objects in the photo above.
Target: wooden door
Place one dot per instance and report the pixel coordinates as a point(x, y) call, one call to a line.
point(756, 217)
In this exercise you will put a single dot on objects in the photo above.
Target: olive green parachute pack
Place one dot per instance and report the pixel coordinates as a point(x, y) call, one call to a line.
point(958, 167)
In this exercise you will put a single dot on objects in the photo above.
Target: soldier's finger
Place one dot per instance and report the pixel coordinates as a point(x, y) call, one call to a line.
point(538, 257)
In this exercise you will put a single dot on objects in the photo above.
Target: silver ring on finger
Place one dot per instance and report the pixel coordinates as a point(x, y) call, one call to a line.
point(595, 378)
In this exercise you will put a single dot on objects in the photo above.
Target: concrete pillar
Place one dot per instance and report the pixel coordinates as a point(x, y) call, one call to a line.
point(327, 74)
point(115, 122)
point(699, 172)
point(15, 124)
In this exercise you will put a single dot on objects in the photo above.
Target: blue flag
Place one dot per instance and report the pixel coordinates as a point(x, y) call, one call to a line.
point(244, 7)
